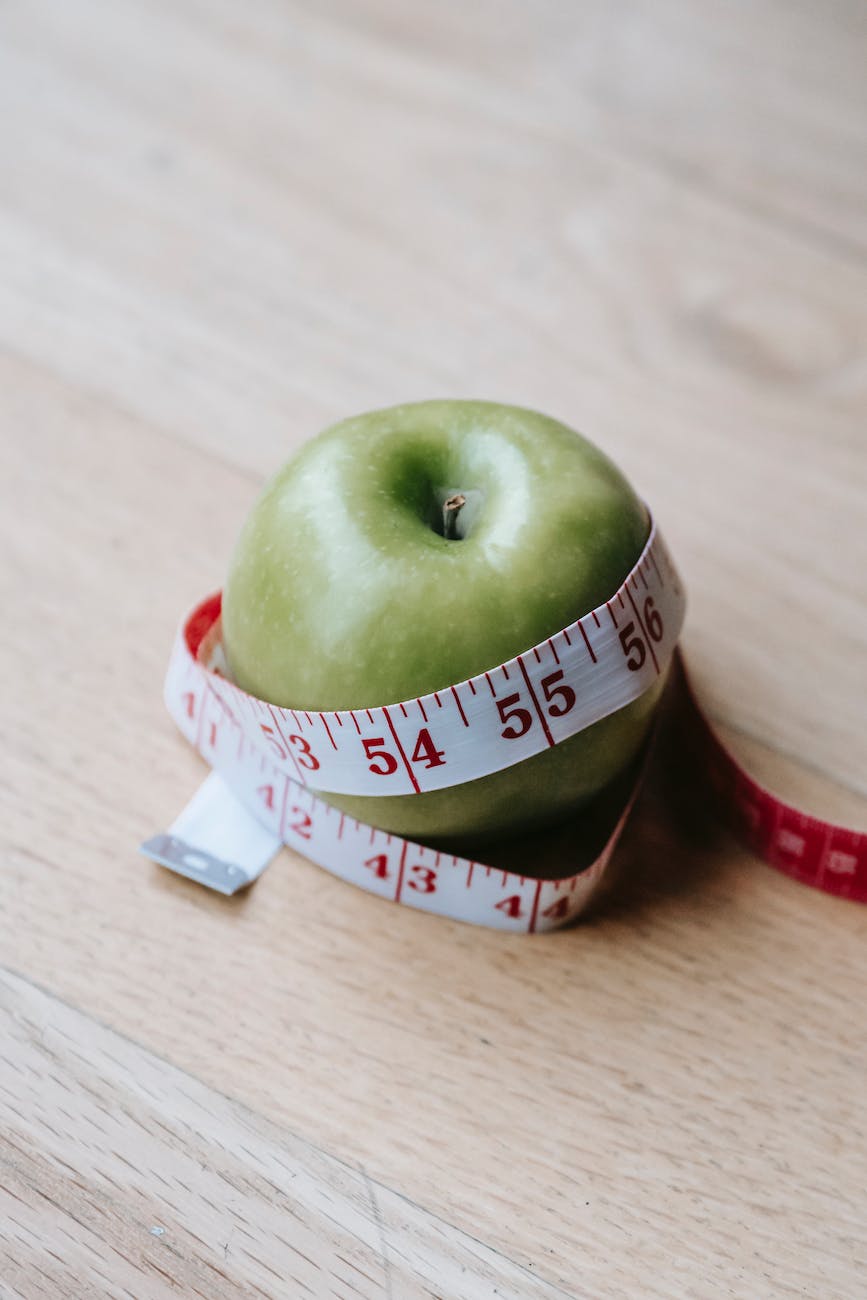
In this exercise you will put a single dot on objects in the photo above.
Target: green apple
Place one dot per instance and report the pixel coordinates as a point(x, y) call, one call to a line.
point(407, 549)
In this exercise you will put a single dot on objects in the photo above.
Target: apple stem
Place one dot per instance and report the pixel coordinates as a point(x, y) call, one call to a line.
point(451, 509)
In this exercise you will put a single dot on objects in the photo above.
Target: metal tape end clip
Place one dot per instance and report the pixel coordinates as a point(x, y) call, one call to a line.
point(187, 860)
point(214, 841)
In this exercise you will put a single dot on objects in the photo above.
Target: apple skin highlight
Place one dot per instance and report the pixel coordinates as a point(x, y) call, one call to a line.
point(344, 591)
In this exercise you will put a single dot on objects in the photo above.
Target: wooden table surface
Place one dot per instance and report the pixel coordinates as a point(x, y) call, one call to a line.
point(221, 228)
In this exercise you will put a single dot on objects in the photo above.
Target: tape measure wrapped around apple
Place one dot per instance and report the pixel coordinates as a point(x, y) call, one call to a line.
point(493, 576)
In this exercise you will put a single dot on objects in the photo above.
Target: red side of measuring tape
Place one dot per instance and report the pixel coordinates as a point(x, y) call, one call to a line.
point(815, 852)
point(201, 621)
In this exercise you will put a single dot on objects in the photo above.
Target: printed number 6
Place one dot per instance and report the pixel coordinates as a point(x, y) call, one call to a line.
point(652, 620)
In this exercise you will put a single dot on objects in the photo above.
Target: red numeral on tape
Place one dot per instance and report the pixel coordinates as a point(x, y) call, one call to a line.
point(271, 737)
point(511, 906)
point(426, 751)
point(305, 757)
point(303, 824)
point(379, 866)
point(633, 647)
point(561, 698)
point(519, 720)
point(384, 763)
point(633, 643)
point(653, 620)
point(424, 879)
point(558, 911)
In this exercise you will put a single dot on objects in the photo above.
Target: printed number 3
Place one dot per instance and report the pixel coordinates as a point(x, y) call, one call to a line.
point(305, 756)
point(423, 879)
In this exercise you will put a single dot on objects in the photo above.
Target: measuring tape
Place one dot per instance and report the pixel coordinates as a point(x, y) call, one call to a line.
point(271, 764)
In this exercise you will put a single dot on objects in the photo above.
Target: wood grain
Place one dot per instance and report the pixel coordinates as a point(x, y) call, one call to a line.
point(124, 1177)
point(220, 229)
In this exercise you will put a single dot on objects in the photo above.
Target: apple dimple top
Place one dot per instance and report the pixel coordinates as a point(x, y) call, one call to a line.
point(343, 591)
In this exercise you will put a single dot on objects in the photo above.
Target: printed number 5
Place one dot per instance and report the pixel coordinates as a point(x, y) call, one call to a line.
point(633, 647)
point(523, 719)
point(373, 749)
point(551, 690)
point(270, 736)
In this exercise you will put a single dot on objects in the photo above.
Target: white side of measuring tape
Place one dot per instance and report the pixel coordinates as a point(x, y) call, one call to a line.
point(266, 758)
point(248, 807)
point(585, 672)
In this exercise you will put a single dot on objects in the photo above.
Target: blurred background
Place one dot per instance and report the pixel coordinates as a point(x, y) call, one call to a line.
point(646, 218)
